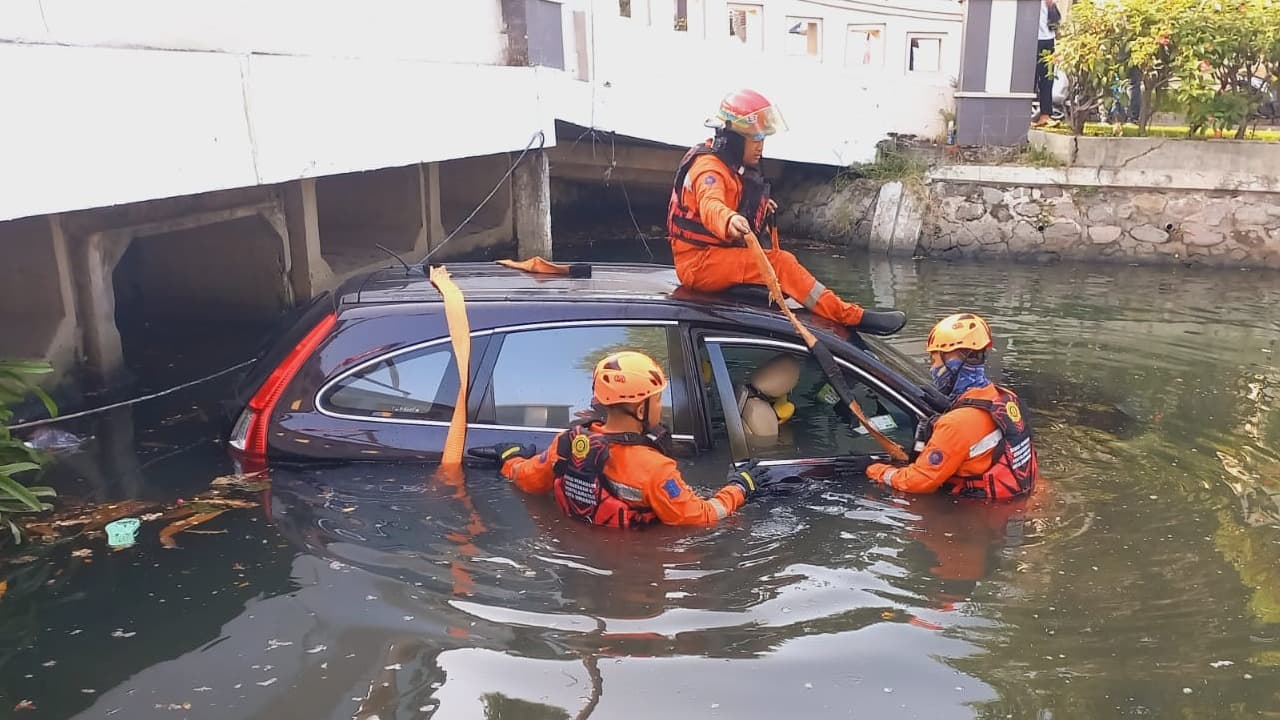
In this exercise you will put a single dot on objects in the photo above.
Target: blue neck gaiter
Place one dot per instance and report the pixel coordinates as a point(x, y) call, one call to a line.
point(954, 377)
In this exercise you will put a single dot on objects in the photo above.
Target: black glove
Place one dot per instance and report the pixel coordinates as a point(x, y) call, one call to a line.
point(852, 467)
point(752, 478)
point(503, 452)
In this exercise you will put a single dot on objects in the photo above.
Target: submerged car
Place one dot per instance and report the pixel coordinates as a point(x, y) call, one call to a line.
point(369, 372)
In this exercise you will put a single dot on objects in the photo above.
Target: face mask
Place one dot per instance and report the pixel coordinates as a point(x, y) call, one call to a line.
point(954, 377)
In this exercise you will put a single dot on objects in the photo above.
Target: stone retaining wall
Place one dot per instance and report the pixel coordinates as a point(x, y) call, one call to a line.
point(972, 213)
point(837, 211)
point(1088, 223)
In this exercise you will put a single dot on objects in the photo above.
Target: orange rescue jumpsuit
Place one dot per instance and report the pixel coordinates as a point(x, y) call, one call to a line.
point(716, 191)
point(651, 476)
point(948, 452)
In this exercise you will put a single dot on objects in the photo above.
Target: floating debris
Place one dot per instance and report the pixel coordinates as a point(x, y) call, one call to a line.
point(273, 644)
point(88, 691)
point(268, 682)
point(1186, 691)
point(24, 705)
point(202, 688)
point(393, 666)
point(317, 649)
point(1221, 664)
point(244, 482)
point(50, 663)
point(120, 633)
point(166, 535)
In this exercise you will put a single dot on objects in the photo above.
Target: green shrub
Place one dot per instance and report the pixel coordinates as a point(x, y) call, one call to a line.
point(16, 383)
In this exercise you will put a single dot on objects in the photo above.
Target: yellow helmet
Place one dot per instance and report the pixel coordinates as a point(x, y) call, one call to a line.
point(963, 331)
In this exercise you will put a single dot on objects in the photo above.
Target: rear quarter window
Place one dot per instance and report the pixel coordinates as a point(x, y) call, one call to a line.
point(419, 384)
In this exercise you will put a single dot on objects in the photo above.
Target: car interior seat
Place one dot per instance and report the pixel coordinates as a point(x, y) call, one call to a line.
point(763, 402)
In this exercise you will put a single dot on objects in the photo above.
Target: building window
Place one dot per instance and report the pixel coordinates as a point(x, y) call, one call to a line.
point(746, 24)
point(924, 53)
point(624, 8)
point(804, 37)
point(682, 15)
point(864, 46)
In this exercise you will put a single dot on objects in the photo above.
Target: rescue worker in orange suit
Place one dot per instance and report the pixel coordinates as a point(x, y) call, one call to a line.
point(616, 470)
point(720, 195)
point(981, 447)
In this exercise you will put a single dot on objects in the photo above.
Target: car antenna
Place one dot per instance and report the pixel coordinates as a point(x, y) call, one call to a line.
point(397, 257)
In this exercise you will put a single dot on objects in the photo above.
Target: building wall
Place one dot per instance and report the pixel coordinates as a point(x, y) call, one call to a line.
point(468, 32)
point(836, 112)
point(133, 100)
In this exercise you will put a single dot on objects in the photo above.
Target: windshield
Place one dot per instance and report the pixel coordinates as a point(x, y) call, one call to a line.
point(898, 361)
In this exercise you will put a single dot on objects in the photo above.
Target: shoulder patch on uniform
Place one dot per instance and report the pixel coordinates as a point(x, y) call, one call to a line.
point(710, 179)
point(671, 488)
point(935, 458)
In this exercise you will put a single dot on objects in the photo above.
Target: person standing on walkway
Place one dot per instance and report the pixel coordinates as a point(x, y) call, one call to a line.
point(1050, 16)
point(720, 195)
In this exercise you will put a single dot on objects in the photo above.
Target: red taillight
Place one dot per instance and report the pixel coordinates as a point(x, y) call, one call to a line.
point(264, 401)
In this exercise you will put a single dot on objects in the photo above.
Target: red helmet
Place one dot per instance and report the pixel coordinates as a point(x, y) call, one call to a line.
point(749, 114)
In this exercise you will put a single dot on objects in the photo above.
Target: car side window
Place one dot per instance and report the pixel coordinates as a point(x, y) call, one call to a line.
point(418, 385)
point(808, 419)
point(542, 378)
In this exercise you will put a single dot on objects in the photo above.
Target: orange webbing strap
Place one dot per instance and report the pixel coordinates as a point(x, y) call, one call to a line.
point(820, 352)
point(536, 265)
point(455, 313)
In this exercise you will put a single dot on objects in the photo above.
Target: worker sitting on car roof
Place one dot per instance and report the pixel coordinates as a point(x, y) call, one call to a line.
point(981, 447)
point(763, 402)
point(720, 195)
point(617, 470)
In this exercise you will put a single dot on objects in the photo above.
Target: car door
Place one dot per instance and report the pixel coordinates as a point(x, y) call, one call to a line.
point(537, 378)
point(820, 430)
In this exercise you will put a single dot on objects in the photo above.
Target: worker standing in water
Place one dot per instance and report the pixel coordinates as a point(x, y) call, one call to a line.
point(981, 446)
point(617, 470)
point(720, 195)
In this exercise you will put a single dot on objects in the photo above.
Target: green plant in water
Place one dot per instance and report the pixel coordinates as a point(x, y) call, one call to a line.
point(16, 383)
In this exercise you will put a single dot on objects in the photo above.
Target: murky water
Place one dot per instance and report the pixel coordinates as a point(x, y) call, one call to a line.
point(1142, 579)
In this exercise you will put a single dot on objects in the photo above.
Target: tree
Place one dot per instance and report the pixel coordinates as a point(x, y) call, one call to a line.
point(1156, 33)
point(1088, 51)
point(1225, 48)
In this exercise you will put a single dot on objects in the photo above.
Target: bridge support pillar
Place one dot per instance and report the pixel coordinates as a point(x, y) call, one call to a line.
point(532, 186)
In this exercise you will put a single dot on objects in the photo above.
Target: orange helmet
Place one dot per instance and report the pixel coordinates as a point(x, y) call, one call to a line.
point(963, 331)
point(749, 114)
point(627, 377)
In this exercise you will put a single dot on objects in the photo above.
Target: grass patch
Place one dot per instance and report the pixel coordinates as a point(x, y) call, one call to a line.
point(1038, 156)
point(893, 165)
point(1165, 131)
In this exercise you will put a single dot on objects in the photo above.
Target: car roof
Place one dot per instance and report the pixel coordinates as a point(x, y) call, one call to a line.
point(609, 282)
point(488, 282)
